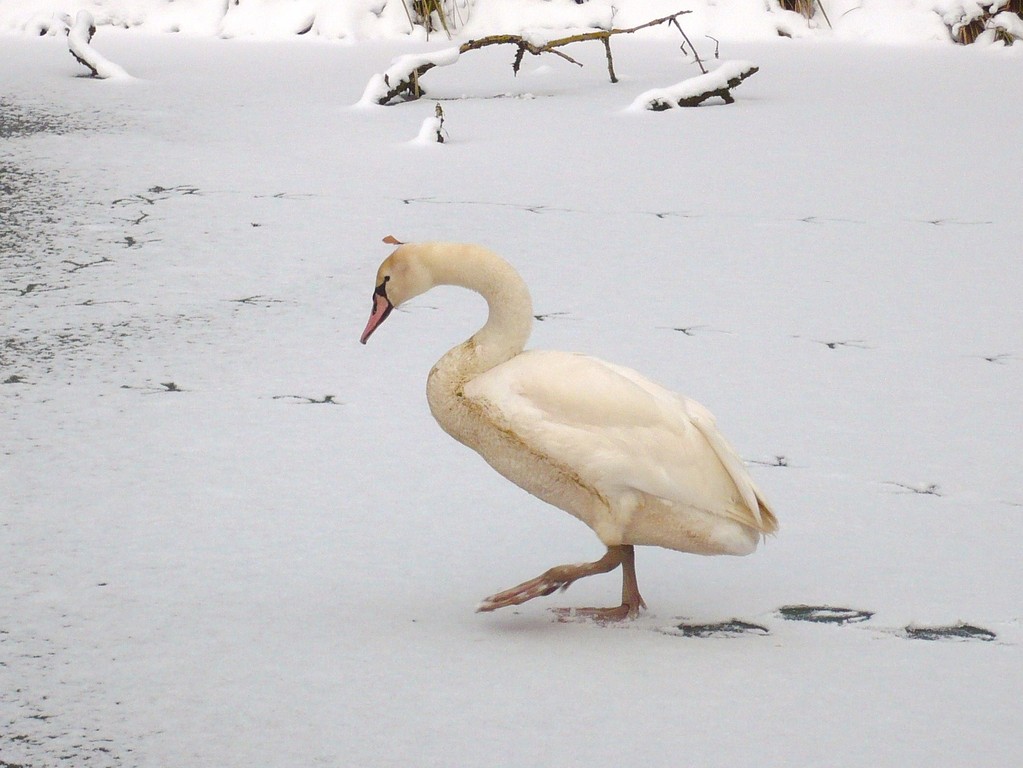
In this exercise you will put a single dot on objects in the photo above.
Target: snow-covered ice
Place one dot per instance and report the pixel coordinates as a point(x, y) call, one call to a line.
point(233, 536)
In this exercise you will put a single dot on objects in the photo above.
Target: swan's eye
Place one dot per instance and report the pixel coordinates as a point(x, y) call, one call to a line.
point(382, 288)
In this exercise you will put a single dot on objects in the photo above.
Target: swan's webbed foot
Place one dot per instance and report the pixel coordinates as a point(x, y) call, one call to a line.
point(561, 577)
point(632, 601)
point(558, 578)
point(601, 615)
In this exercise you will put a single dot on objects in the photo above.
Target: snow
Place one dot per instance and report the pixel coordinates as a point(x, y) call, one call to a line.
point(888, 21)
point(233, 536)
point(1007, 21)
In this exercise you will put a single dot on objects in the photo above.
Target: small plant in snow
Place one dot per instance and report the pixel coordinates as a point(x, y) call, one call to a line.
point(805, 8)
point(448, 15)
point(432, 130)
point(997, 21)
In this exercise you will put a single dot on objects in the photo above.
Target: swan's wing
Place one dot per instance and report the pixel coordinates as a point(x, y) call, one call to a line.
point(705, 422)
point(617, 430)
point(734, 466)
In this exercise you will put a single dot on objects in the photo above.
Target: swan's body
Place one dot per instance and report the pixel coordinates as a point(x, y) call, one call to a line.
point(637, 463)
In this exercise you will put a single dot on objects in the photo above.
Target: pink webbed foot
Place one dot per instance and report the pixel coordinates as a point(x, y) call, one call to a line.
point(601, 615)
point(545, 584)
point(560, 577)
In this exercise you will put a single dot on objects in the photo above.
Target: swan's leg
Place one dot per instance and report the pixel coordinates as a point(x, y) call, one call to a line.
point(632, 601)
point(560, 577)
point(630, 587)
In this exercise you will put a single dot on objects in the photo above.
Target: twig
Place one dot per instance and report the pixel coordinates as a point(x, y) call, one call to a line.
point(610, 61)
point(693, 47)
point(412, 24)
point(821, 6)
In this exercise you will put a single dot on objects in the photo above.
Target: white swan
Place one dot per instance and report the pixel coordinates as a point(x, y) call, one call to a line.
point(637, 463)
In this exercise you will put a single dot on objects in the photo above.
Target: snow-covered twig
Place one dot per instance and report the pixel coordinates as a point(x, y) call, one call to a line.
point(79, 37)
point(696, 90)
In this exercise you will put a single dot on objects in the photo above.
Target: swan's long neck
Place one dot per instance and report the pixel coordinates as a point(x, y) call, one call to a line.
point(503, 336)
point(510, 317)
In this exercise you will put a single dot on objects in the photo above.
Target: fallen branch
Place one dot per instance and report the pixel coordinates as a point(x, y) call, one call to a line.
point(400, 82)
point(696, 90)
point(79, 37)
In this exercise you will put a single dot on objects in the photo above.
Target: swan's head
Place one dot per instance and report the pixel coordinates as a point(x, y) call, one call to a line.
point(402, 276)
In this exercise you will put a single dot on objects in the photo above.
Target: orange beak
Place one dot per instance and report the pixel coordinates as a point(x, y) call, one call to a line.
point(382, 307)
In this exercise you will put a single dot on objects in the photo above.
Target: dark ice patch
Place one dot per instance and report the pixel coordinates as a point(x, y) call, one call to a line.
point(731, 628)
point(823, 614)
point(960, 631)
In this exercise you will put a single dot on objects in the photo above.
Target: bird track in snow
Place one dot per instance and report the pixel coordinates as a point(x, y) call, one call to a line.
point(693, 330)
point(76, 265)
point(538, 208)
point(778, 461)
point(156, 194)
point(666, 215)
point(999, 359)
point(306, 400)
point(164, 386)
point(930, 489)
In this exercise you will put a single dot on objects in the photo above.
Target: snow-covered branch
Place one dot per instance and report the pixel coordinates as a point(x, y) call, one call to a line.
point(401, 80)
point(695, 90)
point(79, 37)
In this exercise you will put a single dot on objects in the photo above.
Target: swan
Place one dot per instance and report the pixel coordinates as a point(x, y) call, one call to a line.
point(639, 464)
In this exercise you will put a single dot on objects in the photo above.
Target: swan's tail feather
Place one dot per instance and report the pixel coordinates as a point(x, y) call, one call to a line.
point(768, 522)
